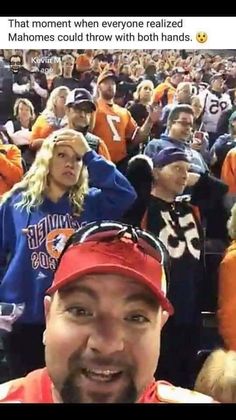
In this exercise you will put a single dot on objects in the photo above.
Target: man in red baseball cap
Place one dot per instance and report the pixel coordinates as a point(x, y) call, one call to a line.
point(104, 314)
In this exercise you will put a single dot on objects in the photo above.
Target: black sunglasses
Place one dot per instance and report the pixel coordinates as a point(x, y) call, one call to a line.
point(109, 231)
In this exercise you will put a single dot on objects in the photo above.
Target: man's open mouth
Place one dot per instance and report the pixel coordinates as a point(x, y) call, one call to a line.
point(102, 375)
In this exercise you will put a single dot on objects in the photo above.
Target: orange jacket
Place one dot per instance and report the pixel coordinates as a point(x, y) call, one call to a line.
point(165, 88)
point(228, 171)
point(11, 170)
point(41, 128)
point(227, 297)
point(36, 387)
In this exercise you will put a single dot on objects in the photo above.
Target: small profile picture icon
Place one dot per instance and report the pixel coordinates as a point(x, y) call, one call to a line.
point(201, 37)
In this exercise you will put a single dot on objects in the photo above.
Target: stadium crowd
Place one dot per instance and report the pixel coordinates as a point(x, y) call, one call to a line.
point(143, 137)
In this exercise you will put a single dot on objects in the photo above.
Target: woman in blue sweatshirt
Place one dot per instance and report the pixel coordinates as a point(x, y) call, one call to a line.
point(36, 218)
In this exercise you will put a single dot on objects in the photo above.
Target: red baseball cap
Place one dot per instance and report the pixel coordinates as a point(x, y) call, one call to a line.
point(118, 257)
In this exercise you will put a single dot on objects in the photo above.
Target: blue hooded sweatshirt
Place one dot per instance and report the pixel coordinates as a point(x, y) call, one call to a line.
point(30, 243)
point(198, 164)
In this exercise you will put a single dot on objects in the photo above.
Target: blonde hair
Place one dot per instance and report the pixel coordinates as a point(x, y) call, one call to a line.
point(231, 224)
point(56, 68)
point(136, 94)
point(196, 106)
point(51, 102)
point(195, 100)
point(217, 378)
point(183, 85)
point(35, 181)
point(27, 103)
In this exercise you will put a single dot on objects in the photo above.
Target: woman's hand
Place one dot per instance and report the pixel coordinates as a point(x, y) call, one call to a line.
point(155, 112)
point(73, 139)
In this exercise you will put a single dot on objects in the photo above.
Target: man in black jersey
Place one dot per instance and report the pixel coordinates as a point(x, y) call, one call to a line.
point(171, 216)
point(174, 220)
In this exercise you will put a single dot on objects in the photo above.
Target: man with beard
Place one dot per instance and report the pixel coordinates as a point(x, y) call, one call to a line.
point(115, 124)
point(16, 62)
point(162, 209)
point(104, 314)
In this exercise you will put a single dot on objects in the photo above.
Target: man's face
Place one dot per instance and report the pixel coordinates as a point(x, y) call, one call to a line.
point(15, 64)
point(125, 59)
point(102, 339)
point(177, 78)
point(67, 66)
point(197, 107)
point(79, 116)
point(173, 177)
point(183, 94)
point(181, 127)
point(197, 75)
point(217, 84)
point(107, 88)
point(161, 65)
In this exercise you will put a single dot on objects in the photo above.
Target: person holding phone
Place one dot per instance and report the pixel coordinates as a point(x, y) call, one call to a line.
point(200, 140)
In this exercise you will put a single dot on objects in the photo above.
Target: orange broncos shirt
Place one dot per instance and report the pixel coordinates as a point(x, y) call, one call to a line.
point(228, 171)
point(114, 125)
point(36, 387)
point(11, 170)
point(41, 129)
point(227, 297)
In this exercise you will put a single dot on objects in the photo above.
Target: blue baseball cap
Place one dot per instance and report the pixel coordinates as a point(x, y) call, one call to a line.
point(79, 95)
point(167, 156)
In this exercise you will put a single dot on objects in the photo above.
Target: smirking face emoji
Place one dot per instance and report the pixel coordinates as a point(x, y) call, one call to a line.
point(201, 37)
